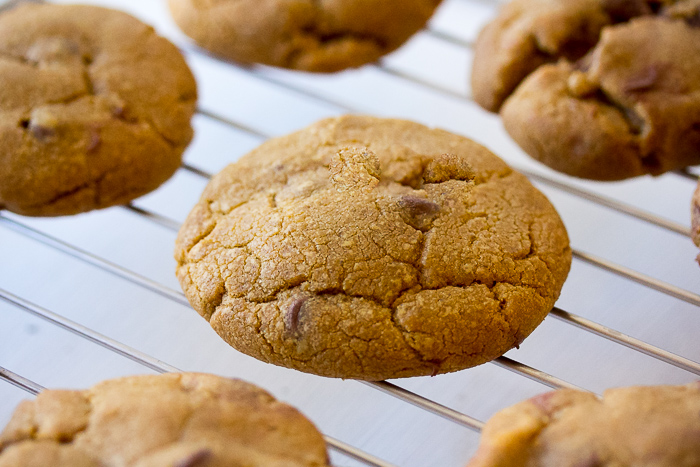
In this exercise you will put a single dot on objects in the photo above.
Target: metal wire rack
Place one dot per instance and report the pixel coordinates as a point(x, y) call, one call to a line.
point(93, 296)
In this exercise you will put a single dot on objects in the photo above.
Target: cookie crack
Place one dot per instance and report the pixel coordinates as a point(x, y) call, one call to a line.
point(314, 29)
point(149, 122)
point(71, 192)
point(82, 430)
point(636, 124)
point(322, 38)
point(87, 91)
point(18, 59)
point(87, 77)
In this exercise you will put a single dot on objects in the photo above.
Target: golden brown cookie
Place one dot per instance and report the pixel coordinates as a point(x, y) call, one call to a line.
point(370, 248)
point(600, 89)
point(695, 217)
point(302, 34)
point(635, 426)
point(94, 109)
point(178, 420)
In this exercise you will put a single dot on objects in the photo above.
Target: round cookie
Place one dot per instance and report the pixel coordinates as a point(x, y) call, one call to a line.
point(649, 426)
point(180, 420)
point(302, 34)
point(372, 249)
point(95, 109)
point(599, 89)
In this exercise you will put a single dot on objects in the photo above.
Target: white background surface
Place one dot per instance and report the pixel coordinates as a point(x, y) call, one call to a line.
point(275, 102)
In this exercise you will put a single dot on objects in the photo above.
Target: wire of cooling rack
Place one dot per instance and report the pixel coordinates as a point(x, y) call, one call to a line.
point(159, 366)
point(610, 203)
point(685, 173)
point(179, 297)
point(610, 266)
point(386, 387)
point(566, 317)
point(20, 381)
point(149, 362)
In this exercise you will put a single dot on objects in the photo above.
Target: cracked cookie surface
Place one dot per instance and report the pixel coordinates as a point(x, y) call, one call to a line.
point(178, 420)
point(653, 426)
point(372, 248)
point(95, 109)
point(310, 35)
point(599, 89)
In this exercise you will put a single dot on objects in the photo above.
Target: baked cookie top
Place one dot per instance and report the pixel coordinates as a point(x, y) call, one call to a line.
point(302, 34)
point(695, 217)
point(650, 426)
point(94, 108)
point(600, 89)
point(372, 248)
point(179, 420)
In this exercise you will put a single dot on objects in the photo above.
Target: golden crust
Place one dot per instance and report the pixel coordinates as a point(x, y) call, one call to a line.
point(695, 218)
point(302, 34)
point(650, 426)
point(183, 420)
point(372, 249)
point(95, 109)
point(588, 86)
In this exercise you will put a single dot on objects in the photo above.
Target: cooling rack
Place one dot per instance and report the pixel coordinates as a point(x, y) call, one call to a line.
point(93, 296)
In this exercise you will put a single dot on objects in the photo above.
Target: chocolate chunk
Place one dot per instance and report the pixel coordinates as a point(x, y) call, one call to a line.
point(591, 461)
point(118, 111)
point(623, 10)
point(95, 140)
point(418, 212)
point(543, 402)
point(197, 458)
point(693, 21)
point(636, 123)
point(584, 63)
point(42, 124)
point(418, 206)
point(291, 318)
point(41, 133)
point(652, 162)
point(643, 81)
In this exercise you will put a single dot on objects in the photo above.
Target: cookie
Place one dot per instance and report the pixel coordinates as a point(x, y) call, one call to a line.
point(695, 218)
point(372, 249)
point(599, 89)
point(179, 420)
point(94, 109)
point(649, 426)
point(302, 34)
